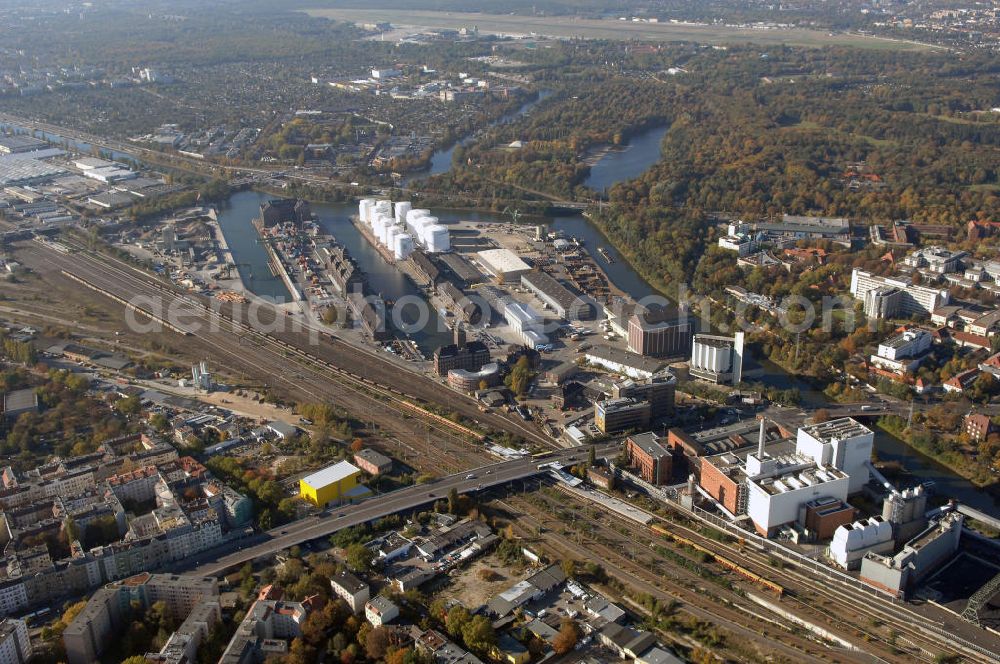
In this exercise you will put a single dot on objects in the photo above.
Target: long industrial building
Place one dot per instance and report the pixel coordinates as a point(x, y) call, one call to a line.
point(503, 264)
point(558, 297)
point(921, 556)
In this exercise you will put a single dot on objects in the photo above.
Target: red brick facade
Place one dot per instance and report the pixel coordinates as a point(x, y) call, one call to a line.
point(720, 486)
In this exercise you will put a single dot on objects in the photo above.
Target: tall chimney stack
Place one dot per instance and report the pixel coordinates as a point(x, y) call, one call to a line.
point(761, 440)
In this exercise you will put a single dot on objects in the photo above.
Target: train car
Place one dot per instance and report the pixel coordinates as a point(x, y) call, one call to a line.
point(721, 560)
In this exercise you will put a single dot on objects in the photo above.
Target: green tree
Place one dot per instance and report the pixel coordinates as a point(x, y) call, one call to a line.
point(478, 634)
point(458, 617)
point(359, 557)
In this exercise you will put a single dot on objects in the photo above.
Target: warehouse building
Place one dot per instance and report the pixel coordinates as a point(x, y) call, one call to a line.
point(19, 144)
point(464, 271)
point(336, 483)
point(526, 323)
point(558, 297)
point(503, 264)
point(464, 307)
point(28, 168)
point(628, 364)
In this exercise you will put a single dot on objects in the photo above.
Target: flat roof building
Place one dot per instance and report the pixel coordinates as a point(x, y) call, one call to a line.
point(921, 556)
point(20, 143)
point(338, 482)
point(844, 444)
point(27, 168)
point(613, 416)
point(18, 402)
point(15, 645)
point(351, 589)
point(888, 297)
point(777, 487)
point(659, 332)
point(624, 362)
point(372, 461)
point(503, 264)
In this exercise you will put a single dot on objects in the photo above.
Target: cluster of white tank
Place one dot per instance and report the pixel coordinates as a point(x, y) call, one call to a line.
point(400, 228)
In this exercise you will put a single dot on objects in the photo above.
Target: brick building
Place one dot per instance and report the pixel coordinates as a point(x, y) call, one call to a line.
point(648, 456)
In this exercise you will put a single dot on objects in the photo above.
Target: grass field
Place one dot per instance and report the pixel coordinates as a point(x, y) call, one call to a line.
point(567, 26)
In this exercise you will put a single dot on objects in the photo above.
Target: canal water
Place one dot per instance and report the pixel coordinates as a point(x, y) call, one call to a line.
point(248, 253)
point(441, 159)
point(642, 152)
point(627, 162)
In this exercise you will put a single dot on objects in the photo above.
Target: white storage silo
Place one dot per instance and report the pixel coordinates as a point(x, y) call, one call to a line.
point(390, 236)
point(365, 209)
point(381, 224)
point(402, 207)
point(403, 246)
point(384, 208)
point(436, 238)
point(422, 225)
point(413, 215)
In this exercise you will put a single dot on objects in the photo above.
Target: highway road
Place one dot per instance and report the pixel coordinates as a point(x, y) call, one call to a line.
point(211, 563)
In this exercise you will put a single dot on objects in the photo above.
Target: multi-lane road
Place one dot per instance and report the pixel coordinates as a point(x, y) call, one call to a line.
point(212, 563)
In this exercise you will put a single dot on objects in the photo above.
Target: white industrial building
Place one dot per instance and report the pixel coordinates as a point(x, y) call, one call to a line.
point(503, 264)
point(718, 359)
point(901, 352)
point(526, 323)
point(921, 556)
point(844, 444)
point(852, 541)
point(778, 488)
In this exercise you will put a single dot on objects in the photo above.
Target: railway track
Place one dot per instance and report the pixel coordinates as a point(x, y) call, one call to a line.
point(927, 637)
point(449, 450)
point(684, 546)
point(638, 569)
point(401, 387)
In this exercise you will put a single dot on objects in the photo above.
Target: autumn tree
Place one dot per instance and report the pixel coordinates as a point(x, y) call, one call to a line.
point(567, 637)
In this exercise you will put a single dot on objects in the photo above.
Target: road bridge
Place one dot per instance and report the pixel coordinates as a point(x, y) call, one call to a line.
point(235, 554)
